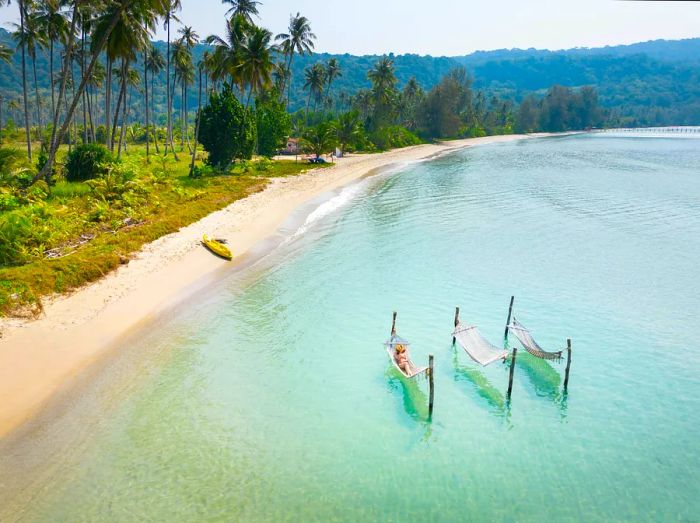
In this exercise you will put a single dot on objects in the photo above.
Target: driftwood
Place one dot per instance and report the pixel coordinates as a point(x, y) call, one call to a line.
point(73, 245)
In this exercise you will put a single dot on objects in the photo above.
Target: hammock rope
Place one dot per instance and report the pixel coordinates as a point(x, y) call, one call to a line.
point(529, 343)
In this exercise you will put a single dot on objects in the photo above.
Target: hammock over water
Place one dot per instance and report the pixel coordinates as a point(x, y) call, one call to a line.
point(391, 344)
point(476, 346)
point(529, 342)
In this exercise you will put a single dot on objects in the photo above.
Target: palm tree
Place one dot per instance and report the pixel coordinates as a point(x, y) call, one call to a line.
point(257, 60)
point(51, 20)
point(315, 82)
point(184, 74)
point(320, 139)
point(95, 81)
point(173, 5)
point(154, 63)
point(226, 59)
point(5, 54)
point(146, 11)
point(383, 89)
point(22, 16)
point(299, 40)
point(332, 72)
point(245, 8)
point(348, 128)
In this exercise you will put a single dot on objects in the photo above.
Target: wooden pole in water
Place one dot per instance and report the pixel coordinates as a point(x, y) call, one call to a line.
point(454, 340)
point(393, 325)
point(432, 385)
point(512, 369)
point(568, 363)
point(510, 312)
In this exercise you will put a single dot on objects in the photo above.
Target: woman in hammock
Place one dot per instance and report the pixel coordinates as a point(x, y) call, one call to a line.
point(402, 359)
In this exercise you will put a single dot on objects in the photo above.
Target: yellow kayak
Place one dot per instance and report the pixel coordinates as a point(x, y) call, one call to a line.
point(217, 248)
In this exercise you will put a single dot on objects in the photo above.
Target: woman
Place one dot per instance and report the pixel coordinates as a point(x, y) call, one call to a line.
point(402, 359)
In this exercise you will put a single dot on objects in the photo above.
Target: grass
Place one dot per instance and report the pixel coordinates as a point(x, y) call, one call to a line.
point(115, 220)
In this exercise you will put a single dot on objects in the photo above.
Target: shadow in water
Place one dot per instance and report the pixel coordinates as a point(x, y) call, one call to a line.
point(415, 400)
point(495, 399)
point(545, 378)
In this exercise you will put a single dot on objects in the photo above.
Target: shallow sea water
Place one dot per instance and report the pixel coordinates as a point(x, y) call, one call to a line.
point(271, 398)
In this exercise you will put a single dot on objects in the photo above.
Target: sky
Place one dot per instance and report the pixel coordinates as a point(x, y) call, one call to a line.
point(457, 27)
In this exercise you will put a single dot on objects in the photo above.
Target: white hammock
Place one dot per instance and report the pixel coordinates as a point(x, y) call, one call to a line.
point(529, 342)
point(476, 346)
point(390, 345)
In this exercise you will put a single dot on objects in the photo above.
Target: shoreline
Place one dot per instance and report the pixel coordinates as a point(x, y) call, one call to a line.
point(40, 358)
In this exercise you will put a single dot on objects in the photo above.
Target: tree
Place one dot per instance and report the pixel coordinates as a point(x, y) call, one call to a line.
point(22, 18)
point(256, 60)
point(320, 139)
point(299, 40)
point(185, 73)
point(226, 58)
point(315, 83)
point(348, 129)
point(173, 6)
point(447, 108)
point(383, 91)
point(273, 124)
point(527, 118)
point(245, 8)
point(412, 96)
point(332, 72)
point(225, 130)
point(51, 20)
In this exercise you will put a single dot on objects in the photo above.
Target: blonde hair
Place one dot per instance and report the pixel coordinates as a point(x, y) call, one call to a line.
point(400, 348)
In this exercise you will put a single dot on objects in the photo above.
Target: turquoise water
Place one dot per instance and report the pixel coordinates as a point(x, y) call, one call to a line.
point(271, 398)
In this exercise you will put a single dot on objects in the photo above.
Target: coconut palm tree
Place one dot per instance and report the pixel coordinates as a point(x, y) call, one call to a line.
point(383, 89)
point(146, 11)
point(256, 55)
point(299, 40)
point(5, 54)
point(95, 81)
point(184, 75)
point(22, 17)
point(332, 72)
point(348, 128)
point(29, 38)
point(51, 20)
point(173, 6)
point(154, 63)
point(226, 58)
point(245, 8)
point(315, 82)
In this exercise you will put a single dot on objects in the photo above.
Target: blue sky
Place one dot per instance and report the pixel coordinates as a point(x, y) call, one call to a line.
point(453, 27)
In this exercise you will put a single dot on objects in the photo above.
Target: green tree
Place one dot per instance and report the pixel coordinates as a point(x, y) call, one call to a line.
point(333, 72)
point(245, 8)
point(273, 124)
point(320, 139)
point(226, 131)
point(383, 91)
point(299, 40)
point(256, 60)
point(348, 129)
point(153, 63)
point(315, 83)
point(51, 20)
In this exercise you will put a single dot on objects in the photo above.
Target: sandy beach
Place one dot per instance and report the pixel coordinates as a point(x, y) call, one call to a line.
point(41, 357)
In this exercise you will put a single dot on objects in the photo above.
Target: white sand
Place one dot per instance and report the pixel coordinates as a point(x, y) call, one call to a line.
point(37, 358)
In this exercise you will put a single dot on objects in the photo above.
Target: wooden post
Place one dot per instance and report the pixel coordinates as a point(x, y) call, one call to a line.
point(393, 325)
point(432, 385)
point(568, 363)
point(510, 312)
point(454, 340)
point(512, 369)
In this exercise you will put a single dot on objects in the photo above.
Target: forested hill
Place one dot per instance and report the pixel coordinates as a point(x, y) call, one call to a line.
point(650, 83)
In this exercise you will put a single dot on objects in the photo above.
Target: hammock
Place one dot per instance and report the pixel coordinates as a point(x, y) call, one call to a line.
point(476, 346)
point(529, 342)
point(390, 345)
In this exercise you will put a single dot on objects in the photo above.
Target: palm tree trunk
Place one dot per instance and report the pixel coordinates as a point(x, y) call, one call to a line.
point(108, 102)
point(122, 132)
point(38, 101)
point(145, 88)
point(196, 125)
point(121, 99)
point(82, 73)
point(289, 87)
point(24, 84)
point(155, 127)
point(53, 97)
point(90, 119)
point(170, 140)
point(182, 115)
point(169, 130)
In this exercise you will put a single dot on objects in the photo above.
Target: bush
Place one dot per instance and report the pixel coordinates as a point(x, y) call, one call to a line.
point(87, 161)
point(394, 136)
point(227, 130)
point(273, 126)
